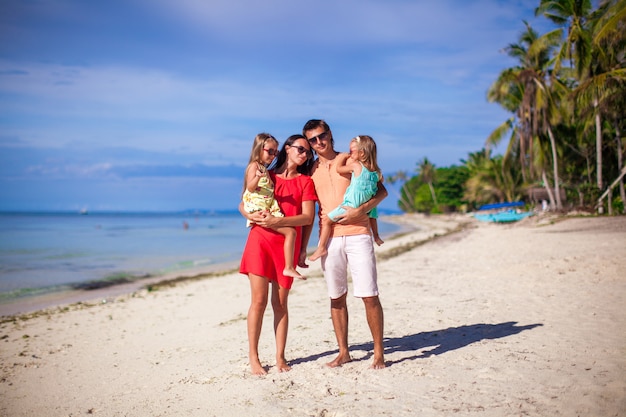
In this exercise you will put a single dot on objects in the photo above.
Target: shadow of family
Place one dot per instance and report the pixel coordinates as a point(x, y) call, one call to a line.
point(436, 342)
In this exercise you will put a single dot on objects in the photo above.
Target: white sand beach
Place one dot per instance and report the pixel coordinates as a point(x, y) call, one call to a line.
point(525, 319)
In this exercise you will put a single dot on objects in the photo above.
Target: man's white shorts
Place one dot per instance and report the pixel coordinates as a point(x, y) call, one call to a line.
point(356, 252)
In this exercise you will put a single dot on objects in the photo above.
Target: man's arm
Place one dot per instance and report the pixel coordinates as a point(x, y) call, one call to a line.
point(352, 213)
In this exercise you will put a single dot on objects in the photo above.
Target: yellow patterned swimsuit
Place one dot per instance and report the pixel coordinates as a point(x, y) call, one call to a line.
point(261, 199)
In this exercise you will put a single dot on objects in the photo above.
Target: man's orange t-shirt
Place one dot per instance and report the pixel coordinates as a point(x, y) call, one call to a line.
point(330, 187)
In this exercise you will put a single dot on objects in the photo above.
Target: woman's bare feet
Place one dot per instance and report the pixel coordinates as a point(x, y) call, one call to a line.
point(257, 368)
point(291, 272)
point(319, 252)
point(339, 360)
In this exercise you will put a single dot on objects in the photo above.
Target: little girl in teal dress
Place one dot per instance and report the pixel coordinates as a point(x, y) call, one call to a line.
point(361, 163)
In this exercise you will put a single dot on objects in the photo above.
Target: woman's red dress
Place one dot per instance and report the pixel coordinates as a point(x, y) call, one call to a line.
point(263, 253)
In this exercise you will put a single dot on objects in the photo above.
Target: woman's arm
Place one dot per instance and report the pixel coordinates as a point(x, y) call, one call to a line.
point(255, 217)
point(303, 219)
point(306, 234)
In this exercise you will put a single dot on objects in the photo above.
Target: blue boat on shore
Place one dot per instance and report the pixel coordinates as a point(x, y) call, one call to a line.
point(502, 212)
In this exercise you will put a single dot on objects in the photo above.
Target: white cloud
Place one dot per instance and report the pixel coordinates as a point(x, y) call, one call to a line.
point(349, 22)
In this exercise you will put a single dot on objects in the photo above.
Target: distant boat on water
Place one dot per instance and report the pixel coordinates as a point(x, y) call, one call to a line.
point(83, 211)
point(502, 212)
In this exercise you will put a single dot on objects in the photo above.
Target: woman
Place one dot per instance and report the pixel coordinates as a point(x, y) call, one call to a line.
point(263, 261)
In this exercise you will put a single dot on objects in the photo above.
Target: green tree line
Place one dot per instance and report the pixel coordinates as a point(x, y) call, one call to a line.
point(566, 97)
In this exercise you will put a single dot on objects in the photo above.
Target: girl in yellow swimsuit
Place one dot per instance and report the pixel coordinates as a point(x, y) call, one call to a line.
point(258, 194)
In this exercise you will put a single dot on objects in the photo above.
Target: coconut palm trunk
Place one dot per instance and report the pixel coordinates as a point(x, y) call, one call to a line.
point(555, 167)
point(546, 185)
point(432, 193)
point(598, 145)
point(620, 164)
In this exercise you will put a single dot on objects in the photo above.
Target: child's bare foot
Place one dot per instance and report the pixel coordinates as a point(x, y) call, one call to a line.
point(378, 241)
point(291, 272)
point(339, 360)
point(319, 252)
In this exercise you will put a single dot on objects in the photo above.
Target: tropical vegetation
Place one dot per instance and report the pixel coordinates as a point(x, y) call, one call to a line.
point(566, 97)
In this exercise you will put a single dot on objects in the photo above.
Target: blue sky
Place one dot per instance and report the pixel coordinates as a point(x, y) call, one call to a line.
point(153, 104)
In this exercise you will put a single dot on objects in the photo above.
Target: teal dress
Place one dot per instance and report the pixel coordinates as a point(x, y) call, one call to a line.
point(361, 189)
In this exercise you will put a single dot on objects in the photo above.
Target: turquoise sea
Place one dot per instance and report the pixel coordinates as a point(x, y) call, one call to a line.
point(51, 252)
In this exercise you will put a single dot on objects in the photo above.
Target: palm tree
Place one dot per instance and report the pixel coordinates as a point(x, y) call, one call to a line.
point(540, 161)
point(404, 202)
point(529, 90)
point(491, 179)
point(427, 174)
point(574, 15)
point(554, 110)
point(610, 19)
point(603, 86)
point(567, 83)
point(507, 92)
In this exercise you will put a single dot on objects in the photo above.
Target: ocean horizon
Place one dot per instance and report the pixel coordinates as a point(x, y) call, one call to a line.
point(43, 252)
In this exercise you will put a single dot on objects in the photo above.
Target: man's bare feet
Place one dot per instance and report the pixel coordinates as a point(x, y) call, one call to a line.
point(319, 252)
point(378, 363)
point(291, 272)
point(257, 368)
point(339, 360)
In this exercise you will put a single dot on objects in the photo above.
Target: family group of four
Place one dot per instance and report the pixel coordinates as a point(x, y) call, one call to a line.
point(279, 205)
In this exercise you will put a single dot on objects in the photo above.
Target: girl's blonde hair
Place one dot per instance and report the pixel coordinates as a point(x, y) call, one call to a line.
point(257, 146)
point(368, 146)
point(255, 153)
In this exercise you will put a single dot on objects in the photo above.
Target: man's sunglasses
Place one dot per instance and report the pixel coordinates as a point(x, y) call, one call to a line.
point(321, 136)
point(302, 149)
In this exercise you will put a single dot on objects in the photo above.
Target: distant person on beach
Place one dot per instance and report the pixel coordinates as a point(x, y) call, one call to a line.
point(361, 163)
point(262, 259)
point(258, 193)
point(350, 245)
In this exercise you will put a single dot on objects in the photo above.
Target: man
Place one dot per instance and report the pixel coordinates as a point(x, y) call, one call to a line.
point(350, 245)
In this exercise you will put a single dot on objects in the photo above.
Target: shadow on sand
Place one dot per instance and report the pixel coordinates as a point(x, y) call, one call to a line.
point(439, 341)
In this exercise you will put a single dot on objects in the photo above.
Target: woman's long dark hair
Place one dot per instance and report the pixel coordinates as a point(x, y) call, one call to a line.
point(282, 156)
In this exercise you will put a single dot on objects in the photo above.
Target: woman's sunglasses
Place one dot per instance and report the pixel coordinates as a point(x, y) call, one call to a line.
point(271, 152)
point(302, 149)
